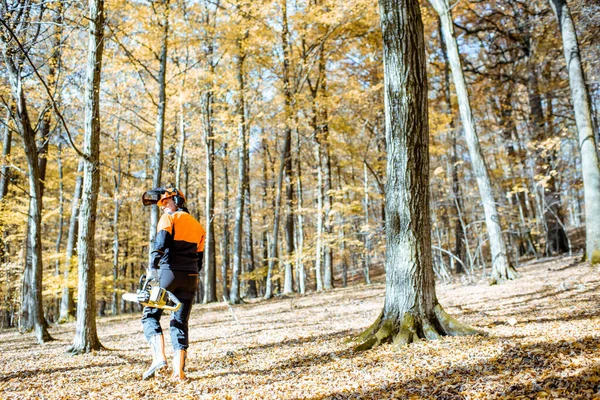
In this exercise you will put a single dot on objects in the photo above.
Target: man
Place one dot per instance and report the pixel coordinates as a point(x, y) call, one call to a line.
point(176, 261)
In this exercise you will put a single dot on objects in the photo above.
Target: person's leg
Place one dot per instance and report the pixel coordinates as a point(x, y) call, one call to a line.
point(154, 336)
point(179, 321)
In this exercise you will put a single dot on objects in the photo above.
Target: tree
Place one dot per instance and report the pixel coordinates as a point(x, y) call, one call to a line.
point(86, 336)
point(411, 309)
point(501, 268)
point(583, 118)
point(16, 56)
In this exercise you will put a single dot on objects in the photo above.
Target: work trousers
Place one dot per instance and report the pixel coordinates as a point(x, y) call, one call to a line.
point(183, 285)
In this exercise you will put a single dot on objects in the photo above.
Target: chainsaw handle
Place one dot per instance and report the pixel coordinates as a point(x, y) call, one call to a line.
point(175, 301)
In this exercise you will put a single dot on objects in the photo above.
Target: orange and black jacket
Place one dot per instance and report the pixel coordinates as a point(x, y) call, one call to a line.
point(179, 243)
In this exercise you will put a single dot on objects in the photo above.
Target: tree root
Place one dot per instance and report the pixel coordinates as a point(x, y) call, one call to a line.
point(412, 328)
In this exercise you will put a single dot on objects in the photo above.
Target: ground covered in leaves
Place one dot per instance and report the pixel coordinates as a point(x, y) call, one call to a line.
point(543, 341)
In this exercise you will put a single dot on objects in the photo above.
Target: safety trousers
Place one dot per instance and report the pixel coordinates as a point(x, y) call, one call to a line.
point(183, 285)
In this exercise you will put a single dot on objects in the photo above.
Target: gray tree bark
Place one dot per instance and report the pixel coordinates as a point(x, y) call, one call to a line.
point(210, 273)
point(501, 268)
point(411, 309)
point(583, 118)
point(86, 336)
point(67, 304)
point(234, 292)
point(157, 162)
point(13, 56)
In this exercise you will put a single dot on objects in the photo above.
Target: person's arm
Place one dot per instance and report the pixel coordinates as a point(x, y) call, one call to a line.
point(162, 240)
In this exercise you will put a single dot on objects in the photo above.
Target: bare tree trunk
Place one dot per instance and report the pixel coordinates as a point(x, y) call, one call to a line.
point(327, 198)
point(32, 279)
point(459, 233)
point(6, 148)
point(411, 309)
point(501, 268)
point(210, 276)
point(67, 307)
point(234, 293)
point(583, 118)
point(367, 231)
point(157, 162)
point(117, 204)
point(251, 290)
point(210, 268)
point(61, 220)
point(285, 170)
point(180, 148)
point(300, 272)
point(226, 234)
point(86, 336)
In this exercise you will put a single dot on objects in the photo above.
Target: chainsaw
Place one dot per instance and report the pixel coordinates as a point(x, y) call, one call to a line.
point(153, 296)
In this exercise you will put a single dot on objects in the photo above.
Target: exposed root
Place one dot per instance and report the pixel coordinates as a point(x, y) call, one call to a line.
point(412, 328)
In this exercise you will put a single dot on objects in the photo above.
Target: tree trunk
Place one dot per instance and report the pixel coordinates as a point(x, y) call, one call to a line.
point(180, 149)
point(226, 234)
point(6, 147)
point(501, 268)
point(86, 336)
point(117, 204)
point(157, 163)
point(367, 230)
point(210, 268)
point(300, 272)
point(583, 118)
point(234, 293)
point(411, 309)
point(32, 279)
point(288, 283)
point(67, 306)
point(61, 220)
point(459, 233)
point(285, 170)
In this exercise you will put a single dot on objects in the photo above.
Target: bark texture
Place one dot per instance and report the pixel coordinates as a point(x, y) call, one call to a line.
point(86, 336)
point(411, 309)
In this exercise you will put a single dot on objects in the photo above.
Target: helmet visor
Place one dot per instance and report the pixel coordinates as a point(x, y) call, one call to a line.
point(151, 197)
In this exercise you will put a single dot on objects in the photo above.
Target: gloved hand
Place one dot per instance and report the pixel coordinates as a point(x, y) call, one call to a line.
point(143, 296)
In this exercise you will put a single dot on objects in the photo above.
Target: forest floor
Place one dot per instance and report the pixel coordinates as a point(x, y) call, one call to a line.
point(543, 341)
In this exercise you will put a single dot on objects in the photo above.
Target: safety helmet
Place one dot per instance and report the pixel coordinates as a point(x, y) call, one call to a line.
point(176, 194)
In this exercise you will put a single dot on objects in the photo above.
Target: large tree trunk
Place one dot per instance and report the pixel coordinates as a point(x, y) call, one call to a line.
point(32, 279)
point(86, 336)
point(583, 118)
point(501, 268)
point(234, 293)
point(411, 309)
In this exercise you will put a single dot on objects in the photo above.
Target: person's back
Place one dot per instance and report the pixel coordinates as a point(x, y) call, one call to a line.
point(180, 238)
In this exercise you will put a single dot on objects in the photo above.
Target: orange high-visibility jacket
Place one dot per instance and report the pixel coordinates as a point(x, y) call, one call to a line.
point(179, 242)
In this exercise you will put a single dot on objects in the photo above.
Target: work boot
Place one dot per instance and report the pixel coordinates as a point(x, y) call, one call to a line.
point(179, 365)
point(159, 359)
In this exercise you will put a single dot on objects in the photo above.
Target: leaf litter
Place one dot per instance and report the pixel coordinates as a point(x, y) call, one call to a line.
point(542, 340)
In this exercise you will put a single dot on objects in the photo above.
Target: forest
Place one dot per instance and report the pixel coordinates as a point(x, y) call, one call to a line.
point(326, 147)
